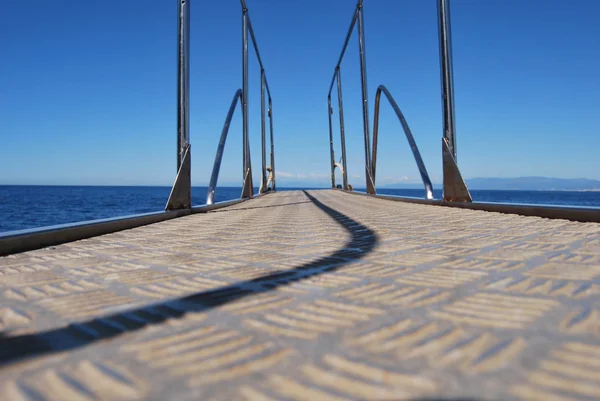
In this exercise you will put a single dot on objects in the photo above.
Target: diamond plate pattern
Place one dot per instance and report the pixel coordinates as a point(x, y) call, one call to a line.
point(317, 295)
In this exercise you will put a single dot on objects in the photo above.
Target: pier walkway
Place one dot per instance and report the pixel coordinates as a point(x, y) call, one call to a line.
point(309, 295)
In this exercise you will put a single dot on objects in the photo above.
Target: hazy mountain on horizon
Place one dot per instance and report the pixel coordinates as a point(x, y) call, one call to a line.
point(531, 183)
point(520, 183)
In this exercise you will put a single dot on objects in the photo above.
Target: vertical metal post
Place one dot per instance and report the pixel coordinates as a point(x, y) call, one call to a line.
point(248, 189)
point(342, 132)
point(455, 188)
point(329, 113)
point(181, 192)
point(245, 89)
point(365, 96)
point(183, 83)
point(263, 178)
point(272, 143)
point(446, 74)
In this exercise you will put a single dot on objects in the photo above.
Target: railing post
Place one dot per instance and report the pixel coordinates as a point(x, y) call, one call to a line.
point(183, 85)
point(248, 189)
point(375, 135)
point(181, 192)
point(329, 113)
point(342, 131)
point(447, 74)
point(263, 178)
point(365, 97)
point(272, 143)
point(455, 188)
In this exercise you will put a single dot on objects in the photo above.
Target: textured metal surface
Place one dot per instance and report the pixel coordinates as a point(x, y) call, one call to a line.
point(12, 242)
point(337, 297)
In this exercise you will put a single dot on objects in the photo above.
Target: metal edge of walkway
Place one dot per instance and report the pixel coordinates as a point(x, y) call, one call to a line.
point(582, 215)
point(27, 240)
point(30, 239)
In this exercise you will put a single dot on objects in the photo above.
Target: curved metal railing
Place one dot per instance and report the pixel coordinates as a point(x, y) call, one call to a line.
point(370, 159)
point(409, 137)
point(455, 188)
point(210, 197)
point(357, 19)
point(242, 96)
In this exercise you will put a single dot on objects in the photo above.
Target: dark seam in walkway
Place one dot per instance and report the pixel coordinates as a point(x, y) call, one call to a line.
point(73, 336)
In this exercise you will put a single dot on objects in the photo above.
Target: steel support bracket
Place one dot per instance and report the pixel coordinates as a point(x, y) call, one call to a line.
point(455, 188)
point(247, 189)
point(370, 184)
point(264, 185)
point(181, 193)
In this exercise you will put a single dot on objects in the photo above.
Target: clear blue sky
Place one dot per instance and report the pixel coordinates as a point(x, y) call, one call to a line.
point(88, 88)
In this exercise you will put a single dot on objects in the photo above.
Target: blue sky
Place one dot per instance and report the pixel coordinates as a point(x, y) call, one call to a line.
point(88, 88)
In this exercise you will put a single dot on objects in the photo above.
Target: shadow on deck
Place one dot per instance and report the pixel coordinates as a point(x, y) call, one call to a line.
point(12, 349)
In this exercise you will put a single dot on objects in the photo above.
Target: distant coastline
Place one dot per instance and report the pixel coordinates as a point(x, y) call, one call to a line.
point(520, 184)
point(480, 183)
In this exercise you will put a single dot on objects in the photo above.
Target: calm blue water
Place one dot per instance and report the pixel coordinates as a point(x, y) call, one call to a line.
point(556, 198)
point(24, 207)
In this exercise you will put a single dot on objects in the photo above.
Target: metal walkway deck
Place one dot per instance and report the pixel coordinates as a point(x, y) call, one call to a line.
point(317, 295)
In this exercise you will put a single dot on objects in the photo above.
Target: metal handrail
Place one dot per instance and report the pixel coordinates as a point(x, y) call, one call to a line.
point(264, 85)
point(181, 191)
point(455, 188)
point(260, 63)
point(409, 137)
point(247, 29)
point(272, 158)
point(358, 16)
point(183, 79)
point(342, 129)
point(348, 35)
point(210, 197)
point(242, 96)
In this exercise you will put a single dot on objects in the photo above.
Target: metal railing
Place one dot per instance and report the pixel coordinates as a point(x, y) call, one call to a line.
point(181, 193)
point(179, 203)
point(454, 186)
point(357, 17)
point(409, 137)
point(210, 198)
point(242, 95)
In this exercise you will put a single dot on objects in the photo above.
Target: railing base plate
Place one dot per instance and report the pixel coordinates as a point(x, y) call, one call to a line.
point(181, 193)
point(455, 189)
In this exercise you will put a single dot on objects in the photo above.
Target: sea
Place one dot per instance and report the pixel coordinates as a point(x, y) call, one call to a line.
point(27, 207)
